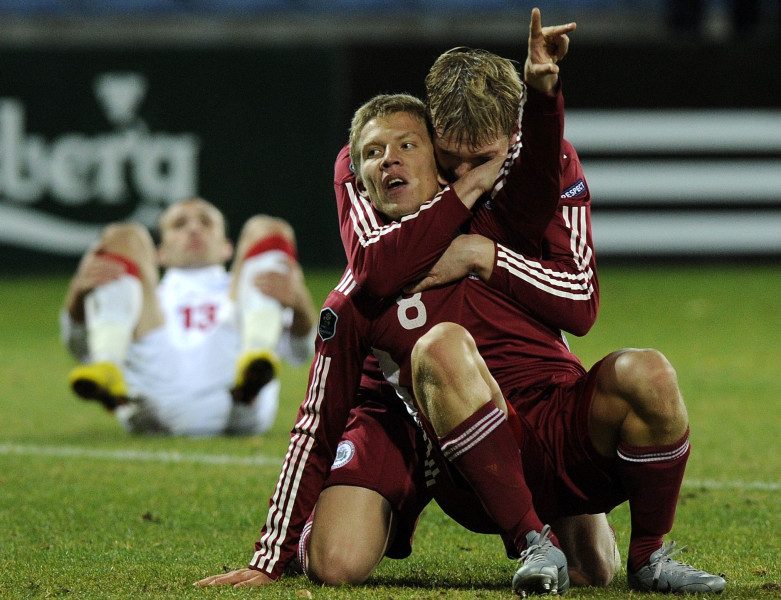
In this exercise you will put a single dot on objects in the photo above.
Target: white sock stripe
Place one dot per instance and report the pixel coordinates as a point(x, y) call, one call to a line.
point(670, 455)
point(474, 435)
point(477, 437)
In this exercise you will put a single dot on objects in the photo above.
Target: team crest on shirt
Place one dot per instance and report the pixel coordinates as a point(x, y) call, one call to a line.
point(576, 189)
point(344, 454)
point(327, 326)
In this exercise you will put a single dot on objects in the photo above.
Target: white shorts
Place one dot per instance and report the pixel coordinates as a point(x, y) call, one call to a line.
point(187, 391)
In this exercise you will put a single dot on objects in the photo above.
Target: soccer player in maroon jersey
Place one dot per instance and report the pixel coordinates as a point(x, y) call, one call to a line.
point(473, 98)
point(335, 378)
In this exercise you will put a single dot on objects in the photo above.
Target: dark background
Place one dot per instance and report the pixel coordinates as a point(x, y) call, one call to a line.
point(271, 117)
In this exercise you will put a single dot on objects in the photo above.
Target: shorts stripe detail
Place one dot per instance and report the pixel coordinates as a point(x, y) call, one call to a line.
point(454, 448)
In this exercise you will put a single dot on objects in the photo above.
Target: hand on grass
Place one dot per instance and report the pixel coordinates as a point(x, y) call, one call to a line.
point(237, 578)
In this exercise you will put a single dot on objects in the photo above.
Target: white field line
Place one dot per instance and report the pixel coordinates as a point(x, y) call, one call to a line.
point(139, 455)
point(260, 460)
point(738, 484)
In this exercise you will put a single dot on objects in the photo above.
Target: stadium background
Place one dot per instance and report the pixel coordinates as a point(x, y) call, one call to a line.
point(111, 110)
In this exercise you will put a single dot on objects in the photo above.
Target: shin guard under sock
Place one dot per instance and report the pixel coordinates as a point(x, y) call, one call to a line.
point(485, 451)
point(652, 478)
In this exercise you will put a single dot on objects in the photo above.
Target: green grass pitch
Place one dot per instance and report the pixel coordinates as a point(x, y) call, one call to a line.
point(89, 512)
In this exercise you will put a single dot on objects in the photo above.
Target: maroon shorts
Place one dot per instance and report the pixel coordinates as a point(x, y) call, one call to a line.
point(383, 450)
point(565, 473)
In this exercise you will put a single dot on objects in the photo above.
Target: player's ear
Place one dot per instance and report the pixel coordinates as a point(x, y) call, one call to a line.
point(361, 188)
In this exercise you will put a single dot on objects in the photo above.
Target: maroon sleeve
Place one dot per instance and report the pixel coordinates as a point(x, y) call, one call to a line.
point(333, 383)
point(526, 194)
point(386, 255)
point(561, 289)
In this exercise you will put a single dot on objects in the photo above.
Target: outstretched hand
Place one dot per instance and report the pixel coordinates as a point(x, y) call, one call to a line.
point(547, 46)
point(237, 578)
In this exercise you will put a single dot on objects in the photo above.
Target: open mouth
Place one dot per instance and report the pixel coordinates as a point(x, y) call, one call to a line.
point(394, 182)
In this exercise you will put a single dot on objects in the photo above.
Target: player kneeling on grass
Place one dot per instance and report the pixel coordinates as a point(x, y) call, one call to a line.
point(193, 353)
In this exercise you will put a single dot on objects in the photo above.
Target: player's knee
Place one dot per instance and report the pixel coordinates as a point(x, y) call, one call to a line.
point(438, 350)
point(337, 566)
point(262, 226)
point(127, 239)
point(651, 384)
point(439, 358)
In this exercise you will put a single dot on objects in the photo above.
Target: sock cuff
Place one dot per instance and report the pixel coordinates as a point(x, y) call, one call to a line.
point(303, 544)
point(273, 242)
point(473, 430)
point(653, 454)
point(131, 267)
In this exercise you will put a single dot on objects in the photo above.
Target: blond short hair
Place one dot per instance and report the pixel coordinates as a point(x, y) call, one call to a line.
point(473, 96)
point(381, 107)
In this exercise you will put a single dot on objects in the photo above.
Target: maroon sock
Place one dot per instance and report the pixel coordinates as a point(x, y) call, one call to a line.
point(651, 476)
point(486, 453)
point(303, 541)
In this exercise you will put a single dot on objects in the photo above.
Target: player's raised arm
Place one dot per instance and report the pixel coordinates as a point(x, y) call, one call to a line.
point(547, 46)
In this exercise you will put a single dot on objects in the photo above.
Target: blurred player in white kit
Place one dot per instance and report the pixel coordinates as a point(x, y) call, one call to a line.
point(197, 351)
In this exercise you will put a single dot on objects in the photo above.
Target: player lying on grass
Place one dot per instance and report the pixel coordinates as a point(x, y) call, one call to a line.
point(193, 353)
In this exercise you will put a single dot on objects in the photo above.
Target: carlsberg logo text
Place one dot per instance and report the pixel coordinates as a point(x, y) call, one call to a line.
point(74, 169)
